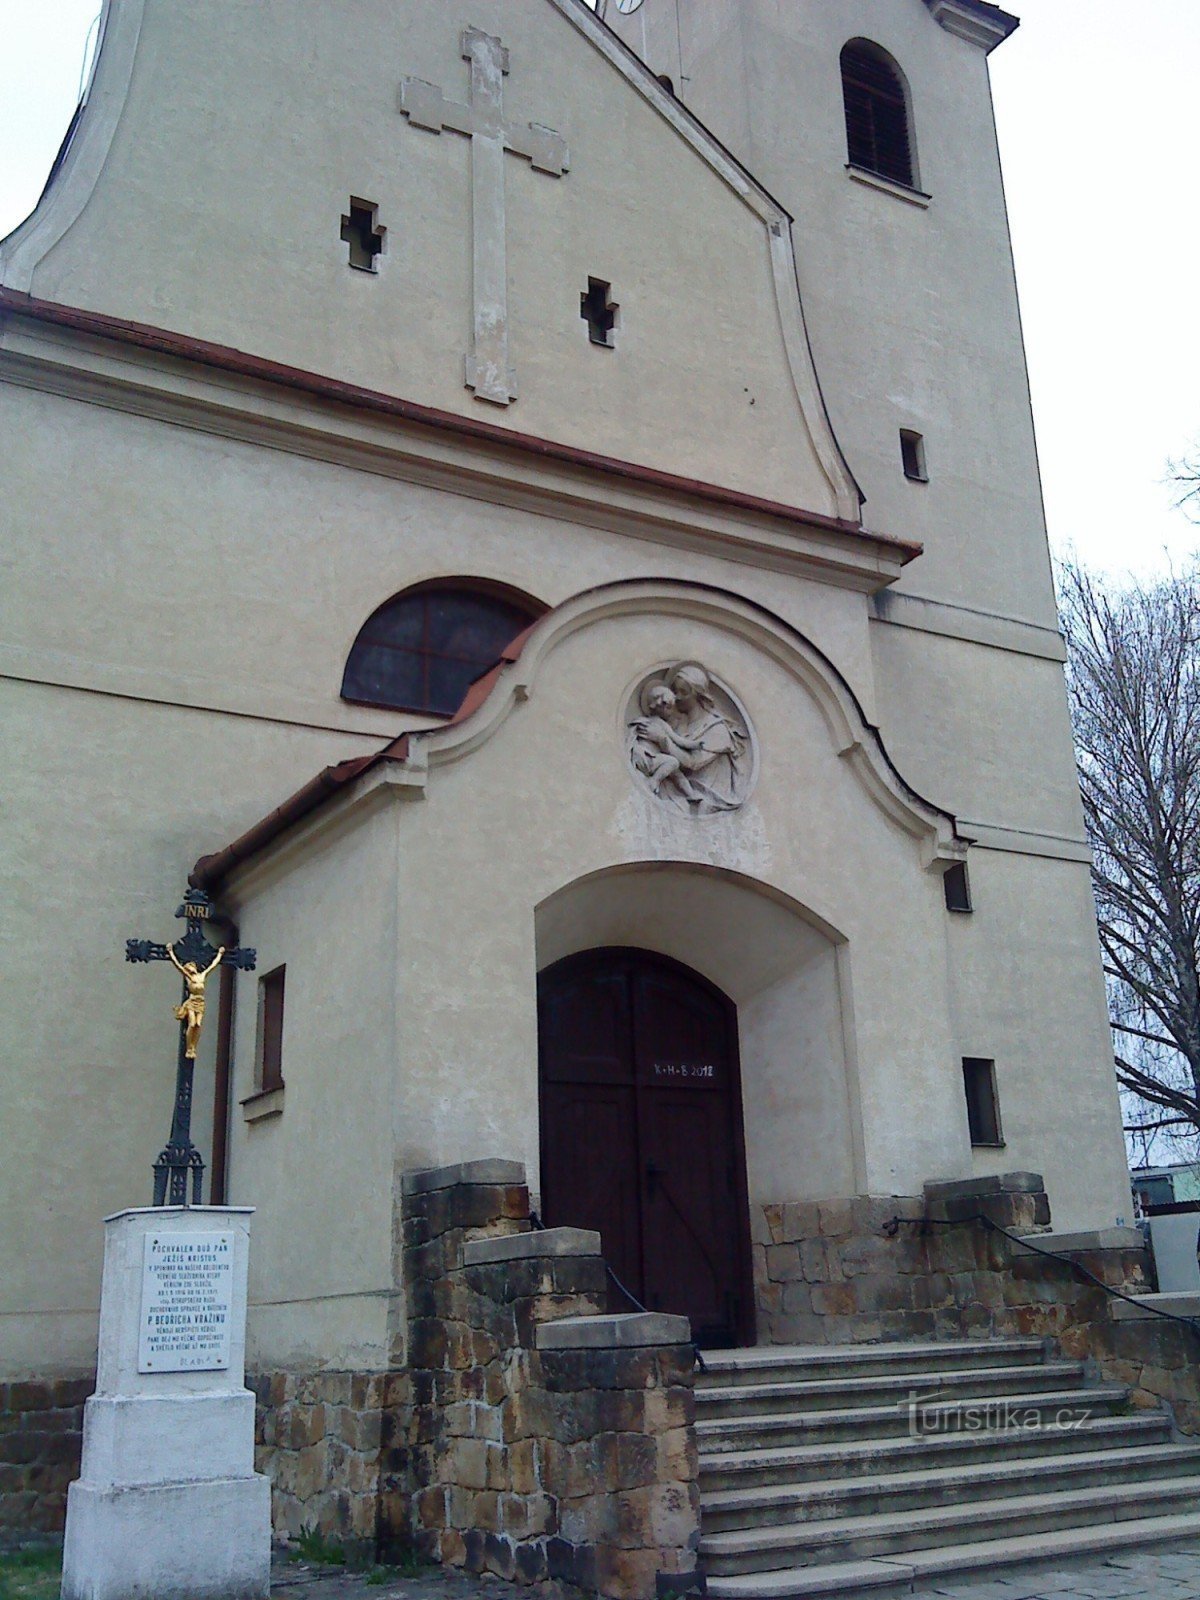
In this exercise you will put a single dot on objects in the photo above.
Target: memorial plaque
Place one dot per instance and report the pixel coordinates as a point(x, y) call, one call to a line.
point(187, 1293)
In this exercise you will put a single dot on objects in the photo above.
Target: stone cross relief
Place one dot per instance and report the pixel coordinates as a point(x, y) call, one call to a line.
point(488, 371)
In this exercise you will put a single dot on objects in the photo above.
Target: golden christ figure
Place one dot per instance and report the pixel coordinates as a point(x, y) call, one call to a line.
point(191, 1011)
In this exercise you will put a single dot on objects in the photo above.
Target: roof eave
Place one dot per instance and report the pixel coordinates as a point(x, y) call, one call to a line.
point(975, 21)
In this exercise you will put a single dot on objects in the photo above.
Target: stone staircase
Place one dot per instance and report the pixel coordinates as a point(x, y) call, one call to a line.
point(869, 1468)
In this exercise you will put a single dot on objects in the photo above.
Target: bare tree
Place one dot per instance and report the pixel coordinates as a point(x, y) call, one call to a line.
point(1134, 680)
point(1185, 475)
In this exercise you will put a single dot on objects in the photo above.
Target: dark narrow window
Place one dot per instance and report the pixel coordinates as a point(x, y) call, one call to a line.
point(956, 887)
point(912, 455)
point(270, 1030)
point(424, 648)
point(983, 1106)
point(877, 131)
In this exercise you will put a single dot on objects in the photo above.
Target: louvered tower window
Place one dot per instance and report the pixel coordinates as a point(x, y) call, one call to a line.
point(877, 132)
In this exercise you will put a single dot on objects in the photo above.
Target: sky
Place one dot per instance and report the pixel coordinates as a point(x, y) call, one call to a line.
point(1096, 113)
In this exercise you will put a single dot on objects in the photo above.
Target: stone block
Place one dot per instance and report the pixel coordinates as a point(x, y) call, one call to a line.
point(607, 1411)
point(836, 1217)
point(864, 1254)
point(627, 1460)
point(531, 1563)
point(523, 1466)
point(941, 1189)
point(862, 1329)
point(796, 1298)
point(569, 1472)
point(834, 1300)
point(572, 1563)
point(799, 1328)
point(624, 1574)
point(819, 1261)
point(468, 1463)
point(801, 1220)
point(1023, 1182)
point(760, 1234)
point(581, 1275)
point(783, 1262)
point(556, 1308)
point(432, 1507)
point(500, 1555)
point(631, 1329)
point(659, 1516)
point(474, 1547)
point(504, 1173)
point(452, 1548)
point(523, 1246)
point(588, 1519)
point(678, 1457)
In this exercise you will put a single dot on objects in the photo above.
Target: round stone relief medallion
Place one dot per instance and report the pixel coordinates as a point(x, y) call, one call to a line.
point(689, 740)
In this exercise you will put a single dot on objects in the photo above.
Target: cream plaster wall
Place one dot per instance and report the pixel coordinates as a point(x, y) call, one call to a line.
point(912, 310)
point(103, 803)
point(320, 1175)
point(249, 125)
point(1025, 972)
point(122, 512)
point(992, 724)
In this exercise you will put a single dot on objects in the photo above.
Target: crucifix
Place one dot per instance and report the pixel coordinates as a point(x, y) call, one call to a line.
point(194, 958)
point(487, 365)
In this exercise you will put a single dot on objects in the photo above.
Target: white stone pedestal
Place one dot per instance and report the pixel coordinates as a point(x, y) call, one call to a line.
point(168, 1505)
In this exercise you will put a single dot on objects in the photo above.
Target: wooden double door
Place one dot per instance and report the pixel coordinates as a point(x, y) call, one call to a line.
point(641, 1132)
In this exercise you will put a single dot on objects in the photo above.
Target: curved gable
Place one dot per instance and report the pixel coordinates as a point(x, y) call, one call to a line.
point(220, 149)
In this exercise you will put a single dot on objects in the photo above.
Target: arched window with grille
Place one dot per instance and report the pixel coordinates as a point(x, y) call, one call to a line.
point(878, 124)
point(423, 648)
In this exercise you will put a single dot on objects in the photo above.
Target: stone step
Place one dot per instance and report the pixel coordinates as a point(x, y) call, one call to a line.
point(900, 1574)
point(1181, 1303)
point(939, 1528)
point(778, 1363)
point(958, 1484)
point(751, 1468)
point(778, 1398)
point(987, 1413)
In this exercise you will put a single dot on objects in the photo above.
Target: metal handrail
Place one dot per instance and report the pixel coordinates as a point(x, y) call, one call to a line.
point(1051, 1255)
point(538, 1226)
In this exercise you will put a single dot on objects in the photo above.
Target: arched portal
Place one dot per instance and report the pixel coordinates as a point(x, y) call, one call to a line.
point(641, 1130)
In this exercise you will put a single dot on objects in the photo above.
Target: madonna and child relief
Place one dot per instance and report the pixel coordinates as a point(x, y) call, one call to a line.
point(689, 741)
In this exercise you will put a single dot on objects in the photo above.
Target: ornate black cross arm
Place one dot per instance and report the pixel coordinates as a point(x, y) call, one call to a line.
point(195, 957)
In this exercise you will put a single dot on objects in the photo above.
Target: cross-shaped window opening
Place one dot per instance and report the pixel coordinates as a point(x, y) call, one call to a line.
point(599, 310)
point(361, 234)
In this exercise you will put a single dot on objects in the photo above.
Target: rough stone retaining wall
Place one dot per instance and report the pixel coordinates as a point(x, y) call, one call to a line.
point(41, 1436)
point(320, 1438)
point(548, 1440)
point(843, 1272)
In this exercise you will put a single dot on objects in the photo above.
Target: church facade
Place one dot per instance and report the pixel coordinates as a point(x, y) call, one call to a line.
point(536, 514)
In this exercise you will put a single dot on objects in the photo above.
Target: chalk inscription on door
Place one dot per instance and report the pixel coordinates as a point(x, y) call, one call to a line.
point(187, 1293)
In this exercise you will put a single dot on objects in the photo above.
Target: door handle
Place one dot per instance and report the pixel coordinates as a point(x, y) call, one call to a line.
point(653, 1174)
